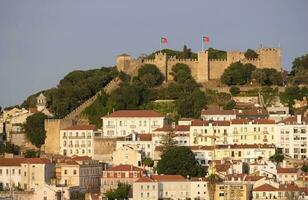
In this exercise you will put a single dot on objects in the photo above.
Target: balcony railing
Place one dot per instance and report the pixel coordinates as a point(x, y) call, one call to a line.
point(77, 137)
point(132, 126)
point(110, 126)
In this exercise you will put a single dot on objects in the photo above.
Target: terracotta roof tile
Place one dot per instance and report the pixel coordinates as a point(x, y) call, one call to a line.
point(253, 178)
point(135, 113)
point(169, 178)
point(124, 168)
point(145, 137)
point(81, 158)
point(287, 170)
point(293, 120)
point(81, 127)
point(36, 161)
point(206, 123)
point(167, 128)
point(144, 179)
point(11, 161)
point(265, 187)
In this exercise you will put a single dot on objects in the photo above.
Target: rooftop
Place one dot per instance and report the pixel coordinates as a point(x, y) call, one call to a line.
point(135, 113)
point(124, 168)
point(81, 127)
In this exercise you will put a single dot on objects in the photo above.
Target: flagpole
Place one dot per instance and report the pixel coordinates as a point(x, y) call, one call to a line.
point(202, 44)
point(160, 44)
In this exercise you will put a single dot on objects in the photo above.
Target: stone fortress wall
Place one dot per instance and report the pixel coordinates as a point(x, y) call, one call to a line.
point(202, 68)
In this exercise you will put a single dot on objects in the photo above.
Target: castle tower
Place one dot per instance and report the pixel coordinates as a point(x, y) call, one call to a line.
point(161, 62)
point(123, 62)
point(203, 67)
point(41, 102)
point(270, 58)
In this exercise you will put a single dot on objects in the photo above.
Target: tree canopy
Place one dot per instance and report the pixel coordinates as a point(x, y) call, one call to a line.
point(179, 160)
point(267, 76)
point(120, 193)
point(150, 75)
point(251, 54)
point(300, 70)
point(75, 88)
point(237, 74)
point(34, 128)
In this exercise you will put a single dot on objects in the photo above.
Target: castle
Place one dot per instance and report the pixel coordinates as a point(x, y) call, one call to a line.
point(203, 69)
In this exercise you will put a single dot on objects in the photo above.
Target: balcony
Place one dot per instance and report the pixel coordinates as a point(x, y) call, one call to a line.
point(76, 145)
point(265, 140)
point(132, 126)
point(110, 126)
point(83, 145)
point(70, 145)
point(64, 137)
point(155, 126)
point(76, 137)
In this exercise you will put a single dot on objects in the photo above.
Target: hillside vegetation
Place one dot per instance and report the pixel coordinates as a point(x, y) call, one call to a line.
point(75, 88)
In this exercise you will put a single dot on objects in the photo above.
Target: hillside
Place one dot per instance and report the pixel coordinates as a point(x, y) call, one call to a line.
point(75, 88)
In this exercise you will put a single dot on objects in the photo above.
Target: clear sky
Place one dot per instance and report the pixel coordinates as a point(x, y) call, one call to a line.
point(41, 41)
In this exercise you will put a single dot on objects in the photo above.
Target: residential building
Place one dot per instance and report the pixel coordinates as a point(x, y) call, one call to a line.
point(263, 168)
point(277, 191)
point(139, 142)
point(278, 113)
point(292, 137)
point(162, 187)
point(122, 173)
point(199, 188)
point(126, 156)
point(217, 114)
point(79, 171)
point(179, 133)
point(125, 122)
point(36, 172)
point(10, 172)
point(252, 113)
point(231, 191)
point(77, 140)
point(288, 175)
point(253, 131)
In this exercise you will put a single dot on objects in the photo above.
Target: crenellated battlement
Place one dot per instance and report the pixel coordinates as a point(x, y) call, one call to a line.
point(202, 68)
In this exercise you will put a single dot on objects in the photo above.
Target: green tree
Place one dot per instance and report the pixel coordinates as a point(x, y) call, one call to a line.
point(305, 167)
point(32, 154)
point(251, 54)
point(277, 158)
point(267, 76)
point(150, 75)
point(235, 90)
point(120, 193)
point(230, 105)
point(179, 160)
point(269, 95)
point(34, 128)
point(217, 54)
point(237, 74)
point(181, 73)
point(299, 65)
point(290, 94)
point(148, 162)
point(9, 148)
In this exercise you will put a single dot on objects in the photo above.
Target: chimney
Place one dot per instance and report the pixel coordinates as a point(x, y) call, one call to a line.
point(299, 119)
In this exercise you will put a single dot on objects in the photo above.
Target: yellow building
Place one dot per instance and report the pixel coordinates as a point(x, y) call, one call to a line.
point(231, 191)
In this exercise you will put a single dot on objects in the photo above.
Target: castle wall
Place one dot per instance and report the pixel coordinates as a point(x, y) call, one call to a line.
point(52, 128)
point(202, 69)
point(217, 67)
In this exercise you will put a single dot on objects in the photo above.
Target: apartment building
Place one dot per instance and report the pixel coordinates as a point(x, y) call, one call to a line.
point(139, 142)
point(231, 191)
point(217, 114)
point(125, 122)
point(288, 175)
point(10, 172)
point(127, 155)
point(292, 136)
point(122, 173)
point(180, 134)
point(77, 140)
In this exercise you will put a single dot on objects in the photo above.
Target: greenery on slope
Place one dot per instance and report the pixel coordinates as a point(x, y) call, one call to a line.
point(75, 88)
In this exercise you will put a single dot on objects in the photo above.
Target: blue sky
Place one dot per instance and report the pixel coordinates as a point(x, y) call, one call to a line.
point(41, 41)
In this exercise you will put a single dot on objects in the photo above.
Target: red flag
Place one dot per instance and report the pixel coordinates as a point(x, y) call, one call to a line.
point(163, 40)
point(206, 39)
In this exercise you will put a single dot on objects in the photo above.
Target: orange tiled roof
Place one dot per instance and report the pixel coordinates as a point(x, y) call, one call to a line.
point(170, 178)
point(287, 170)
point(253, 178)
point(265, 187)
point(144, 179)
point(124, 168)
point(293, 120)
point(36, 161)
point(206, 123)
point(81, 158)
point(11, 161)
point(167, 128)
point(135, 113)
point(145, 137)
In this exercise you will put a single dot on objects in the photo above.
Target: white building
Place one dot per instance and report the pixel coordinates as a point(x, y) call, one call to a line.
point(139, 142)
point(127, 156)
point(180, 134)
point(292, 136)
point(77, 140)
point(125, 122)
point(10, 172)
point(218, 114)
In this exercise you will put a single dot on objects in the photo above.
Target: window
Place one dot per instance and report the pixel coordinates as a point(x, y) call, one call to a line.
point(75, 172)
point(221, 194)
point(65, 171)
point(0, 171)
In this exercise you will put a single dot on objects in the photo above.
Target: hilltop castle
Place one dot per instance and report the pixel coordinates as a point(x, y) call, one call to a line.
point(203, 69)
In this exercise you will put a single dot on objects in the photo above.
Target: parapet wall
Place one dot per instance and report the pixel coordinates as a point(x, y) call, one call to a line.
point(202, 68)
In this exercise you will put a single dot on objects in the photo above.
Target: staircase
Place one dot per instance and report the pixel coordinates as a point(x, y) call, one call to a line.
point(77, 113)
